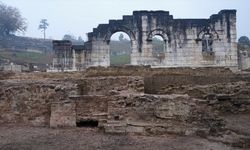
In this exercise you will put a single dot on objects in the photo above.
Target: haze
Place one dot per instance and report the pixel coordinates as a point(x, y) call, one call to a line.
point(78, 17)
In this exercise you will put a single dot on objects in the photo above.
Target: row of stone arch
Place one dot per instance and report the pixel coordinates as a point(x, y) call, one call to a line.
point(132, 36)
point(207, 37)
point(141, 45)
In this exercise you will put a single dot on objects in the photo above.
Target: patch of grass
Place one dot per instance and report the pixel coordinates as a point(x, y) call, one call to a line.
point(120, 59)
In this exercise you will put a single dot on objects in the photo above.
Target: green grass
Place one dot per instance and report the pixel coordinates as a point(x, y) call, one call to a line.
point(120, 60)
point(25, 57)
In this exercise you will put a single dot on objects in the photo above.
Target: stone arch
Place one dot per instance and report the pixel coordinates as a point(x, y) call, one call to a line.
point(158, 49)
point(161, 56)
point(207, 30)
point(120, 50)
point(163, 34)
point(113, 30)
point(115, 27)
point(207, 36)
point(159, 32)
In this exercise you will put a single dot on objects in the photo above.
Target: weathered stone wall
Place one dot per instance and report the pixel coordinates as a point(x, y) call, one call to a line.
point(25, 103)
point(98, 85)
point(32, 102)
point(183, 39)
point(155, 84)
point(176, 114)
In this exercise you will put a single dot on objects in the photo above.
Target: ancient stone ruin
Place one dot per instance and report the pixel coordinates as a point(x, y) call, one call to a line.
point(138, 100)
point(191, 93)
point(187, 42)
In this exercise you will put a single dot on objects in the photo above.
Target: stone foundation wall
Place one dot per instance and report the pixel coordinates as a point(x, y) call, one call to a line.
point(151, 114)
point(25, 102)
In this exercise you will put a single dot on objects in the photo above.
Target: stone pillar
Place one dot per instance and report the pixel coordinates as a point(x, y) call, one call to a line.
point(135, 56)
point(100, 53)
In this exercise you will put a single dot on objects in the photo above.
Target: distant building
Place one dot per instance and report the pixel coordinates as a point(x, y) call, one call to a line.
point(15, 68)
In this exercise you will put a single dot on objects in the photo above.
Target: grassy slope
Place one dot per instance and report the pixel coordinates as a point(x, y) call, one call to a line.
point(25, 57)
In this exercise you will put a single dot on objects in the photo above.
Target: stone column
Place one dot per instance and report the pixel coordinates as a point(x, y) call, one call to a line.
point(74, 60)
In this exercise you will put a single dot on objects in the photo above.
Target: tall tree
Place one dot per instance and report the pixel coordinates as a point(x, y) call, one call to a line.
point(11, 20)
point(244, 40)
point(121, 37)
point(43, 26)
point(80, 39)
point(244, 43)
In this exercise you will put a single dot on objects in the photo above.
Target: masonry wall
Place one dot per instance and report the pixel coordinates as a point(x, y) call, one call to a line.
point(152, 101)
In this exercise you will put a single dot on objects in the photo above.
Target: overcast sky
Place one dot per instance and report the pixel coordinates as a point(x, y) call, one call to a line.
point(78, 17)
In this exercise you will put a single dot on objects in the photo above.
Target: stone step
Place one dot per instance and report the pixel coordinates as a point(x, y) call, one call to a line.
point(122, 127)
point(115, 127)
point(116, 123)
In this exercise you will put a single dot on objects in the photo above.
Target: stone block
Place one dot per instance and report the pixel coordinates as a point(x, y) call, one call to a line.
point(133, 129)
point(63, 114)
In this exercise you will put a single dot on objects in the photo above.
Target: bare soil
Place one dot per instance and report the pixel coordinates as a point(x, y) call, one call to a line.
point(39, 138)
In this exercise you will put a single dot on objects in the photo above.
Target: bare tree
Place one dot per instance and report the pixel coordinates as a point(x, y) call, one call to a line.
point(11, 20)
point(43, 26)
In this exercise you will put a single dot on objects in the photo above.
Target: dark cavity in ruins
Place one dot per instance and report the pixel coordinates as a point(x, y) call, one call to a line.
point(87, 123)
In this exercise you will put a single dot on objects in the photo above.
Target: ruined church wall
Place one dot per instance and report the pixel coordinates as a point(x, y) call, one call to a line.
point(182, 37)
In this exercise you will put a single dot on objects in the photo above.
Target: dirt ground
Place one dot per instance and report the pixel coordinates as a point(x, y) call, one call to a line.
point(34, 138)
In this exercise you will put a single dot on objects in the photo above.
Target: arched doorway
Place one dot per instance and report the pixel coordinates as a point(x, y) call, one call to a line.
point(120, 49)
point(158, 48)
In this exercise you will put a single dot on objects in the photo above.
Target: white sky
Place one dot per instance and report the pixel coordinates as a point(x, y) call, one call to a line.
point(78, 17)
